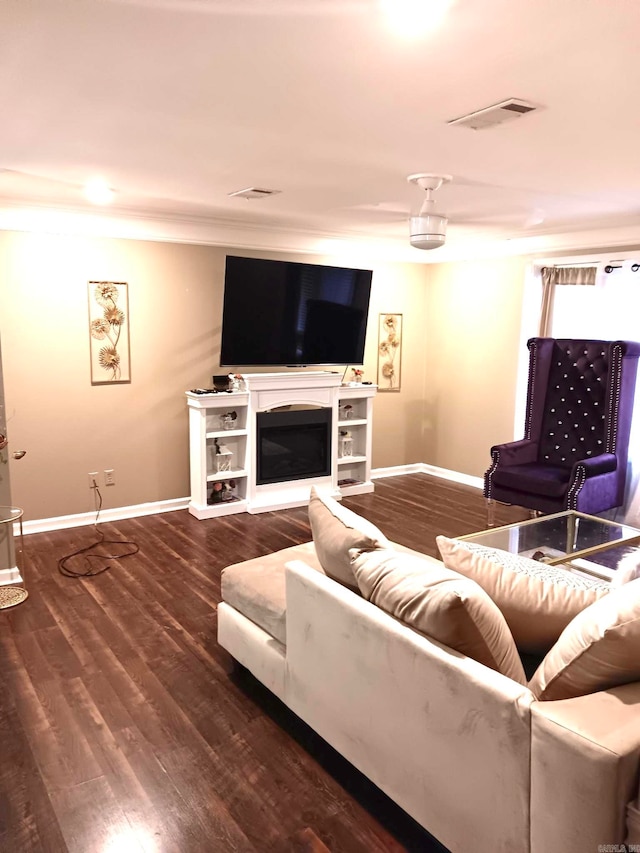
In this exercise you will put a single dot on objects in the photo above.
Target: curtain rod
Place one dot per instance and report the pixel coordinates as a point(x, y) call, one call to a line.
point(581, 264)
point(610, 267)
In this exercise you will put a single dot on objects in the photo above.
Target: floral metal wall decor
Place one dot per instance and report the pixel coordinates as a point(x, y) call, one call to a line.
point(109, 332)
point(389, 351)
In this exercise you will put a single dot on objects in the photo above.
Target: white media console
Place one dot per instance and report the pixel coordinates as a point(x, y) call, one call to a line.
point(229, 421)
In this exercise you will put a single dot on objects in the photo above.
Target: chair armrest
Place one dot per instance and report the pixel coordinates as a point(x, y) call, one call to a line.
point(515, 452)
point(606, 463)
point(595, 484)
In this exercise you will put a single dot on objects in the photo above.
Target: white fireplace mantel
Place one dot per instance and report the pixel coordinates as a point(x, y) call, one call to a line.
point(264, 392)
point(272, 390)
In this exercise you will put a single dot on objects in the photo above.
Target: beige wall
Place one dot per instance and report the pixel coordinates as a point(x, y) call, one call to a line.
point(472, 348)
point(70, 427)
point(399, 416)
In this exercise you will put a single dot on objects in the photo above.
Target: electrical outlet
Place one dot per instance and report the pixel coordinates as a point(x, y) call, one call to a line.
point(93, 479)
point(109, 477)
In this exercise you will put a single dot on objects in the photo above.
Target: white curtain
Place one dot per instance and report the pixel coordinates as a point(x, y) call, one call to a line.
point(552, 278)
point(610, 310)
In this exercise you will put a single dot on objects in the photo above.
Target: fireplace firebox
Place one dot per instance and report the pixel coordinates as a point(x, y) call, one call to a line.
point(293, 444)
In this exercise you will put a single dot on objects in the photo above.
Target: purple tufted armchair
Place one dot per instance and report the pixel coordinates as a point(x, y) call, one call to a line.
point(579, 409)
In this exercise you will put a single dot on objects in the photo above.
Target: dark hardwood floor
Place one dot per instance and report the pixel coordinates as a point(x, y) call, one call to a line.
point(123, 727)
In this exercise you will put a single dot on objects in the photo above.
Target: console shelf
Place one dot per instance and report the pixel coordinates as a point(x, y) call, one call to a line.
point(352, 410)
point(226, 433)
point(204, 422)
point(354, 422)
point(227, 475)
point(355, 416)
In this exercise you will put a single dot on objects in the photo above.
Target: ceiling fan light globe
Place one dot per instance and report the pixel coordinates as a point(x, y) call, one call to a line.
point(428, 232)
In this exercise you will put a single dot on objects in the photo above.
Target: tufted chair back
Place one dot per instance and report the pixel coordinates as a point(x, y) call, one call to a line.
point(578, 420)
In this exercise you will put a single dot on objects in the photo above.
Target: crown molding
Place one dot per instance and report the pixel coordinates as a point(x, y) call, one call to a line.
point(251, 236)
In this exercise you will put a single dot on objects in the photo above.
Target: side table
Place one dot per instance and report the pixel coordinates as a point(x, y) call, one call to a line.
point(11, 595)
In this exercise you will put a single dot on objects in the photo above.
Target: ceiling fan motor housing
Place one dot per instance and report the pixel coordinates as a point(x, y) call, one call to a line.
point(428, 231)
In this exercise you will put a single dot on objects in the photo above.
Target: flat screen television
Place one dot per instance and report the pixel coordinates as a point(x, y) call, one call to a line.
point(283, 313)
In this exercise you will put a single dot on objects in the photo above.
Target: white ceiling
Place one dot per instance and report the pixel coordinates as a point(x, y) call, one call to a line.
point(178, 103)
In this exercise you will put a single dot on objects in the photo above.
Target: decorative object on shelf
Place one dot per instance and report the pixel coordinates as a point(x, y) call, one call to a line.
point(109, 332)
point(222, 491)
point(345, 412)
point(229, 491)
point(389, 351)
point(345, 444)
point(237, 382)
point(357, 373)
point(215, 494)
point(223, 457)
point(228, 419)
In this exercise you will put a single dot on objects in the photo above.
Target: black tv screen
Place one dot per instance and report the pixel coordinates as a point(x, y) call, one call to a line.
point(284, 313)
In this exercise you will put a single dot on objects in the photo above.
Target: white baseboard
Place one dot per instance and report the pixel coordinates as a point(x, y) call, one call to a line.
point(397, 470)
point(62, 522)
point(433, 470)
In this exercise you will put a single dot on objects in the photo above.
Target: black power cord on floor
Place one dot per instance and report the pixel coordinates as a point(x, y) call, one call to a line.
point(90, 569)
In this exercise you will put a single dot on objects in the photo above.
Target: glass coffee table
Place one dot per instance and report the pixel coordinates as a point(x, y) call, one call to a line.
point(582, 543)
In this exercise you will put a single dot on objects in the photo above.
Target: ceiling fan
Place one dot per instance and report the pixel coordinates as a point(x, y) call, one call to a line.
point(428, 230)
point(428, 223)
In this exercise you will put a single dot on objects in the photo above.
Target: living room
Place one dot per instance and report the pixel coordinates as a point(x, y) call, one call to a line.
point(522, 195)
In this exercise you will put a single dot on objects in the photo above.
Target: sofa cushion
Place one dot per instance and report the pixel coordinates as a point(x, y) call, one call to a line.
point(336, 530)
point(440, 604)
point(538, 601)
point(257, 587)
point(599, 649)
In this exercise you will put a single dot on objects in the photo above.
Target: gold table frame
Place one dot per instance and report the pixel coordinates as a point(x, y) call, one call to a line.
point(629, 537)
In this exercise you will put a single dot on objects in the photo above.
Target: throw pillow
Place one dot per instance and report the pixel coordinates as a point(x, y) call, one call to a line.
point(628, 569)
point(599, 649)
point(335, 531)
point(440, 604)
point(538, 601)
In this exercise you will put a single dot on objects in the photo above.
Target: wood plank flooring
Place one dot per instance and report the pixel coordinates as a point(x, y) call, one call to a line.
point(123, 727)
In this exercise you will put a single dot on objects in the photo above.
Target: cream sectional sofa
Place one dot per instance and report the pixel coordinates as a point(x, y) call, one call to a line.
point(467, 751)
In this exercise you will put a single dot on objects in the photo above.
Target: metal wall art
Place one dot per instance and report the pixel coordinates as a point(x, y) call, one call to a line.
point(109, 332)
point(389, 351)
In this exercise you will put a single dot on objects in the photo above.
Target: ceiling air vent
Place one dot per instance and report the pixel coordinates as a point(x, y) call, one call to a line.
point(496, 114)
point(253, 192)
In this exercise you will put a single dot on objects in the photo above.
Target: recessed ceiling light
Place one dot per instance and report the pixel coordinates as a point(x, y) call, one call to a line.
point(97, 191)
point(414, 18)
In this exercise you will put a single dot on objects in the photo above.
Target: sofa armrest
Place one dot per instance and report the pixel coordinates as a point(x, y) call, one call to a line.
point(427, 725)
point(585, 765)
